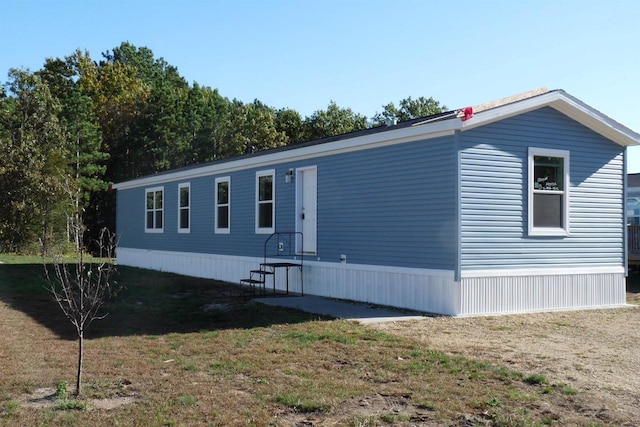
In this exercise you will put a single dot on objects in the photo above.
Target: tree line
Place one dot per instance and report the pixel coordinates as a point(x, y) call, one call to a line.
point(73, 127)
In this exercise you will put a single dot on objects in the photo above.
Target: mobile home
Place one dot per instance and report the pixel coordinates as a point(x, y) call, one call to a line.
point(516, 206)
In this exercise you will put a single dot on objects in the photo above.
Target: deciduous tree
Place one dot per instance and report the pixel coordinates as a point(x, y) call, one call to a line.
point(332, 121)
point(408, 109)
point(290, 122)
point(33, 157)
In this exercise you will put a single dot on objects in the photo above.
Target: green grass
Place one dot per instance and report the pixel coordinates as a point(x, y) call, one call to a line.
point(61, 390)
point(187, 400)
point(71, 405)
point(535, 379)
point(393, 418)
point(297, 404)
point(567, 390)
point(20, 259)
point(10, 407)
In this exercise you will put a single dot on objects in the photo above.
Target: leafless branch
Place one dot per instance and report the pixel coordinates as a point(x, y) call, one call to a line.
point(82, 288)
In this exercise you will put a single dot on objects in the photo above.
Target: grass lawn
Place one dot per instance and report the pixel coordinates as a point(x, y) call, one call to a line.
point(180, 351)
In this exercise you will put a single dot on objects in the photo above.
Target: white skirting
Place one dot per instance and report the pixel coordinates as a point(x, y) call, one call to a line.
point(546, 292)
point(220, 267)
point(431, 291)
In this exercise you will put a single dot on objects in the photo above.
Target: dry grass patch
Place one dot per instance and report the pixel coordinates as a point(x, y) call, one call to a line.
point(590, 354)
point(184, 351)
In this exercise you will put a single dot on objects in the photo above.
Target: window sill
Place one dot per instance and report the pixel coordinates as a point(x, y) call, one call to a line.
point(548, 232)
point(265, 230)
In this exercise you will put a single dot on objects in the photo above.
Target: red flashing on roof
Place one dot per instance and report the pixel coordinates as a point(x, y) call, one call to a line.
point(465, 113)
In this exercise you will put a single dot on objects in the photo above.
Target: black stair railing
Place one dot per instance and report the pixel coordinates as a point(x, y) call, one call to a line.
point(279, 252)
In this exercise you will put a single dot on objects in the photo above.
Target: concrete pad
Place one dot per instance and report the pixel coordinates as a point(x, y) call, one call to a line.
point(340, 309)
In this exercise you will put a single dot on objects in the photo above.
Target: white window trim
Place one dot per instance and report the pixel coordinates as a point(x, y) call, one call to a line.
point(549, 231)
point(260, 174)
point(146, 225)
point(186, 185)
point(227, 230)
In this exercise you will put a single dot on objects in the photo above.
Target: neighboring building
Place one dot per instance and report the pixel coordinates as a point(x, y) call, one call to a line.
point(633, 220)
point(633, 199)
point(517, 207)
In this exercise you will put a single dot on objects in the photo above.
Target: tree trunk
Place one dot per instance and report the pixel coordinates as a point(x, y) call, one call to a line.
point(80, 359)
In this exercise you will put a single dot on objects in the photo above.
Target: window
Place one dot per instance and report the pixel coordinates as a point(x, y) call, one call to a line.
point(548, 192)
point(265, 198)
point(633, 210)
point(223, 205)
point(154, 210)
point(184, 211)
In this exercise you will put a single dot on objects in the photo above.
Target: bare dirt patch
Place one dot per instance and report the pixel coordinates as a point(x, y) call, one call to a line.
point(45, 398)
point(596, 352)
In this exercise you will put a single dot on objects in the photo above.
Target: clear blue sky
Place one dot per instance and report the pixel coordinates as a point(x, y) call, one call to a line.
point(302, 54)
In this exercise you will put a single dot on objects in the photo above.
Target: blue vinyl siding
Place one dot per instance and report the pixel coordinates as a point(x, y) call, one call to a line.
point(494, 195)
point(395, 205)
point(242, 239)
point(392, 205)
point(389, 206)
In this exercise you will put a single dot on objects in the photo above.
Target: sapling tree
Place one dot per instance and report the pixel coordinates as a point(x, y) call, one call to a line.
point(81, 288)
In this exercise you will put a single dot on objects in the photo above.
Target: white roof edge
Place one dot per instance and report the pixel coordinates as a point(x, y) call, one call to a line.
point(566, 104)
point(597, 121)
point(395, 136)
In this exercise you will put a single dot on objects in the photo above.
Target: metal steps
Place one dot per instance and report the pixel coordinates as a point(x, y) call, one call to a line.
point(279, 253)
point(257, 279)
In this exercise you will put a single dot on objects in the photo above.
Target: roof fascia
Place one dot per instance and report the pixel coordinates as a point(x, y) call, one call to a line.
point(380, 139)
point(567, 105)
point(596, 121)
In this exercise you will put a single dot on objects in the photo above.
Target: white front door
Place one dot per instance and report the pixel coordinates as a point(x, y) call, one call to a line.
point(306, 208)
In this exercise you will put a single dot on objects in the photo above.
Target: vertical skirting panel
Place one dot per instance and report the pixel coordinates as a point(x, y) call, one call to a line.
point(432, 291)
point(219, 267)
point(516, 294)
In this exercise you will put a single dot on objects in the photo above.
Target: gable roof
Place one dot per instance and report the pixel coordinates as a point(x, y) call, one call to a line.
point(566, 104)
point(420, 128)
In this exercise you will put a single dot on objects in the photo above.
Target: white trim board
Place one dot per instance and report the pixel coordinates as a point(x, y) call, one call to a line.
point(567, 105)
point(556, 271)
point(381, 139)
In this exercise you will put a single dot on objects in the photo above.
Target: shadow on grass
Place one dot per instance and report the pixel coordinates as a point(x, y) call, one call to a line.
point(633, 287)
point(633, 281)
point(151, 303)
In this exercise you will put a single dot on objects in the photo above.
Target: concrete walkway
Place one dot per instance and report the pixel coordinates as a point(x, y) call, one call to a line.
point(340, 309)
